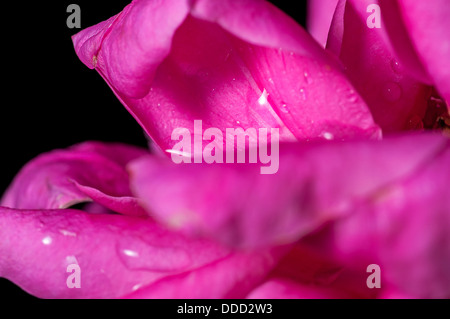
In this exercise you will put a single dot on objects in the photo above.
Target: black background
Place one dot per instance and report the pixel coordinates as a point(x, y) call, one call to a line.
point(50, 99)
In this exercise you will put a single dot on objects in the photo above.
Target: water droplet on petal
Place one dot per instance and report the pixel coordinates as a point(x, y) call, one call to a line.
point(308, 79)
point(263, 98)
point(328, 136)
point(284, 108)
point(140, 255)
point(130, 253)
point(303, 94)
point(392, 92)
point(136, 287)
point(67, 233)
point(47, 240)
point(395, 66)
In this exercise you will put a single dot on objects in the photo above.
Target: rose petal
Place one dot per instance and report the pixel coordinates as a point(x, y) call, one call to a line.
point(215, 68)
point(315, 273)
point(118, 255)
point(395, 99)
point(404, 229)
point(227, 278)
point(401, 42)
point(427, 25)
point(85, 172)
point(315, 183)
point(320, 15)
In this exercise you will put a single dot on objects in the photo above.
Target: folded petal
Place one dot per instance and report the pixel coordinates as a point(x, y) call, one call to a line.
point(320, 15)
point(315, 183)
point(427, 24)
point(85, 172)
point(118, 255)
point(397, 100)
point(226, 278)
point(404, 228)
point(305, 273)
point(249, 68)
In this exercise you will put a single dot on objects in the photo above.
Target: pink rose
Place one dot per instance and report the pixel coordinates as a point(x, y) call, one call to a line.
point(353, 189)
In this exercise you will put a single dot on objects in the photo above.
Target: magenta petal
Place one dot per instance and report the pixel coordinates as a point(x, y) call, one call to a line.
point(231, 277)
point(404, 228)
point(85, 172)
point(320, 15)
point(135, 42)
point(116, 254)
point(259, 23)
point(427, 24)
point(315, 183)
point(307, 273)
point(401, 42)
point(395, 99)
point(126, 205)
point(228, 70)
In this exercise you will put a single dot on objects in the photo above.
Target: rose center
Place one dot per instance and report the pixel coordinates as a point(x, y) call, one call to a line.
point(437, 115)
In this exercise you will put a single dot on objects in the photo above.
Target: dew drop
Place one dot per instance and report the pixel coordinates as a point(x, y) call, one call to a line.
point(284, 108)
point(136, 287)
point(308, 79)
point(328, 136)
point(303, 94)
point(392, 92)
point(140, 255)
point(47, 240)
point(67, 233)
point(263, 98)
point(395, 66)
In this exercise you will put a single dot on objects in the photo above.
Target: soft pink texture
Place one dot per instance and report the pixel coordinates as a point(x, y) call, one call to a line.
point(395, 99)
point(212, 61)
point(316, 182)
point(118, 255)
point(86, 172)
